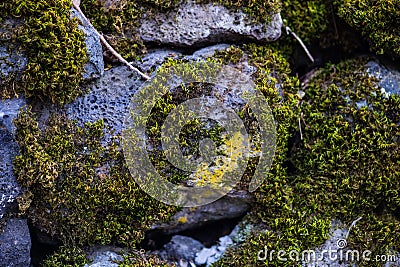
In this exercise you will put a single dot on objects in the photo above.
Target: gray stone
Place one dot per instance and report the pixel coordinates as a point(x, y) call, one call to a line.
point(12, 59)
point(183, 247)
point(15, 244)
point(192, 24)
point(9, 188)
point(155, 58)
point(203, 256)
point(95, 67)
point(231, 206)
point(389, 78)
point(104, 256)
point(108, 98)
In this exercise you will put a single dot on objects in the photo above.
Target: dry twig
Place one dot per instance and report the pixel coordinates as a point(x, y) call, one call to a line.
point(76, 4)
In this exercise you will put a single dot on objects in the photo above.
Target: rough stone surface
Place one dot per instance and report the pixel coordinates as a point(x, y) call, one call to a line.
point(183, 248)
point(108, 98)
point(95, 67)
point(389, 79)
point(15, 244)
point(9, 188)
point(12, 59)
point(155, 58)
point(104, 256)
point(194, 24)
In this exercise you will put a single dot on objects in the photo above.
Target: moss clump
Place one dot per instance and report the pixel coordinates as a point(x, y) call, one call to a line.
point(66, 256)
point(345, 167)
point(82, 193)
point(55, 48)
point(138, 259)
point(379, 21)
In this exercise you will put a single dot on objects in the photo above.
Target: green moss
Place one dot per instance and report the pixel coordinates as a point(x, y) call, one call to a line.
point(138, 259)
point(345, 167)
point(379, 21)
point(66, 257)
point(82, 192)
point(55, 48)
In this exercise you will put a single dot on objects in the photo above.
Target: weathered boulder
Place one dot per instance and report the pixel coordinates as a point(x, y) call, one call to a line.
point(192, 24)
point(15, 244)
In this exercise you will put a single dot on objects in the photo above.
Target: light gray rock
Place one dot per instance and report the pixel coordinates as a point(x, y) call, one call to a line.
point(183, 247)
point(192, 24)
point(15, 244)
point(389, 78)
point(155, 58)
point(104, 256)
point(9, 188)
point(95, 67)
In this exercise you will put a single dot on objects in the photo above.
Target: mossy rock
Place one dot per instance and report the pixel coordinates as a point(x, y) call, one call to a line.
point(82, 193)
point(55, 63)
point(343, 165)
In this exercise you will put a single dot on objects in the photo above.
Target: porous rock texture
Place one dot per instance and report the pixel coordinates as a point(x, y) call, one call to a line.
point(192, 24)
point(15, 244)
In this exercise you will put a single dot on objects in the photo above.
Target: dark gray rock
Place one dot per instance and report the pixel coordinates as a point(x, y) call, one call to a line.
point(231, 206)
point(15, 244)
point(95, 67)
point(9, 188)
point(192, 24)
point(155, 58)
point(183, 248)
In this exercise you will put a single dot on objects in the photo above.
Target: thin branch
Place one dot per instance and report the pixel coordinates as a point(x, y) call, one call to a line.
point(289, 31)
point(301, 132)
point(109, 47)
point(351, 226)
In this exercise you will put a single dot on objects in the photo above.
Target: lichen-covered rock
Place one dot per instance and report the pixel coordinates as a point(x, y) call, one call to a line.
point(193, 24)
point(9, 188)
point(15, 244)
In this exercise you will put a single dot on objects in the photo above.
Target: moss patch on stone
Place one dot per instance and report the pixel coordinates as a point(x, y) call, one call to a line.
point(82, 192)
point(379, 21)
point(66, 256)
point(345, 167)
point(55, 48)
